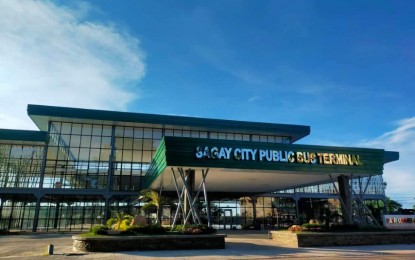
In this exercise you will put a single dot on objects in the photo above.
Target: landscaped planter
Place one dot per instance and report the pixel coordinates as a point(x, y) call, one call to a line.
point(286, 238)
point(150, 242)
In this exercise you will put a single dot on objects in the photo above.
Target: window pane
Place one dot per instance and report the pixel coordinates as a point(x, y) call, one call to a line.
point(76, 129)
point(97, 130)
point(168, 132)
point(119, 131)
point(128, 143)
point(86, 130)
point(138, 133)
point(66, 128)
point(106, 131)
point(148, 144)
point(85, 141)
point(96, 141)
point(157, 134)
point(147, 133)
point(128, 132)
point(75, 141)
point(138, 144)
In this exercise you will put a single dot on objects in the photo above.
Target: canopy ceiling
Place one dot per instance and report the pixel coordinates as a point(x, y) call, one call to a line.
point(268, 169)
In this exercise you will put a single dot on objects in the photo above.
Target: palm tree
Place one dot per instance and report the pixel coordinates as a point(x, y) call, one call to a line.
point(153, 200)
point(122, 221)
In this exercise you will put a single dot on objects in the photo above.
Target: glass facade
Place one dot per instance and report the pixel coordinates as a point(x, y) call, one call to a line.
point(88, 170)
point(20, 165)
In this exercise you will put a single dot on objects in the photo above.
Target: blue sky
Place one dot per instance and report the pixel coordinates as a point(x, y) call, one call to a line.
point(345, 68)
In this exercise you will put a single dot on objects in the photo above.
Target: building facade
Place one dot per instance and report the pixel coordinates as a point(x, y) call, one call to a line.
point(83, 166)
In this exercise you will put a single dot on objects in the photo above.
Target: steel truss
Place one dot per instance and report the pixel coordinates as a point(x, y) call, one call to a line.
point(357, 210)
point(185, 195)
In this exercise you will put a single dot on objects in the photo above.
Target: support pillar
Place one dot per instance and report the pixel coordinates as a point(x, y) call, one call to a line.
point(297, 215)
point(345, 195)
point(190, 180)
point(36, 217)
point(253, 199)
point(56, 217)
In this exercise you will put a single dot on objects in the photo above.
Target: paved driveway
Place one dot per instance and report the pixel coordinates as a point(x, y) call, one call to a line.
point(239, 245)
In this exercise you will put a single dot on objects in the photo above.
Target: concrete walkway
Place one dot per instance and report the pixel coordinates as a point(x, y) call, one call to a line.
point(239, 245)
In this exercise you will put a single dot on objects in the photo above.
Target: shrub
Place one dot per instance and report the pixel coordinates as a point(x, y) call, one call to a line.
point(194, 229)
point(295, 228)
point(99, 230)
point(148, 230)
point(111, 222)
point(313, 227)
point(120, 222)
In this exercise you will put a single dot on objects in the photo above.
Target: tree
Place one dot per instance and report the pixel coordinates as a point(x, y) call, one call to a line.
point(121, 221)
point(153, 200)
point(392, 205)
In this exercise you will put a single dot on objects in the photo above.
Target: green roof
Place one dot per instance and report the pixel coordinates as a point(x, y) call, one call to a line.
point(42, 114)
point(11, 135)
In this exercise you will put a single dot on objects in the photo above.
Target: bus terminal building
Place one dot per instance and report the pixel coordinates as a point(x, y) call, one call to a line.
point(83, 166)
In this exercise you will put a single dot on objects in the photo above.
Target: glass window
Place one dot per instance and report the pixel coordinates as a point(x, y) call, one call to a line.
point(263, 138)
point(105, 154)
point(97, 130)
point(85, 141)
point(138, 144)
point(245, 137)
point(230, 136)
point(157, 133)
point(156, 144)
point(107, 130)
point(203, 135)
point(75, 141)
point(168, 132)
point(86, 130)
point(84, 154)
point(138, 133)
point(222, 136)
point(148, 144)
point(76, 129)
point(177, 132)
point(213, 135)
point(119, 143)
point(255, 138)
point(147, 156)
point(118, 155)
point(195, 134)
point(119, 131)
point(186, 133)
point(147, 133)
point(94, 154)
point(128, 143)
point(127, 155)
point(106, 142)
point(128, 132)
point(57, 126)
point(66, 128)
point(238, 137)
point(96, 141)
point(137, 156)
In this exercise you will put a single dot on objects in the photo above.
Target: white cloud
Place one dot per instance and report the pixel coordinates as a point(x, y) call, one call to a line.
point(400, 175)
point(54, 55)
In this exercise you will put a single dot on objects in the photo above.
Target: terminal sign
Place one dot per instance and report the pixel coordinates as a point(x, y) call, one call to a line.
point(263, 155)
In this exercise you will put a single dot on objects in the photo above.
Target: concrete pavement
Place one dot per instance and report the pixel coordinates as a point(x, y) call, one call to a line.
point(239, 245)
